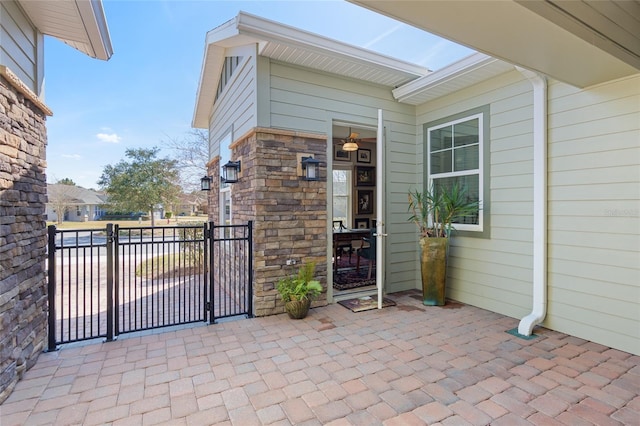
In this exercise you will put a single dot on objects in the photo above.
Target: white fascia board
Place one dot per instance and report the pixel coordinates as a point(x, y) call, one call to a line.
point(457, 69)
point(211, 65)
point(264, 29)
point(95, 23)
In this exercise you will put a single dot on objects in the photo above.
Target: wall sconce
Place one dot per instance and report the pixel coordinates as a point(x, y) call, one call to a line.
point(311, 168)
point(205, 183)
point(231, 171)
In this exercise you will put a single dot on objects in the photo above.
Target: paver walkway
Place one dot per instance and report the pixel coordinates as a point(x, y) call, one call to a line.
point(403, 365)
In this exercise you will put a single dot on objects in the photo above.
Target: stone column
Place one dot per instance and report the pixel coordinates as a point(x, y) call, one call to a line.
point(289, 213)
point(23, 286)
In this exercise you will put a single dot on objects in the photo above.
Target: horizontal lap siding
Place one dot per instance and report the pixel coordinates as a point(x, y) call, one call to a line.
point(19, 47)
point(594, 212)
point(306, 100)
point(236, 106)
point(496, 273)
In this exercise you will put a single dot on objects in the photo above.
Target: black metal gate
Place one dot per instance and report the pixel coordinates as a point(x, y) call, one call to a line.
point(117, 280)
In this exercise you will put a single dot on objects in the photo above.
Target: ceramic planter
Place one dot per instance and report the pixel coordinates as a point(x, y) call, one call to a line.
point(433, 267)
point(297, 309)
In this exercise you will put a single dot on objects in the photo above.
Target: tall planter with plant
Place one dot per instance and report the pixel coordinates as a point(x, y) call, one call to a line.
point(297, 291)
point(434, 212)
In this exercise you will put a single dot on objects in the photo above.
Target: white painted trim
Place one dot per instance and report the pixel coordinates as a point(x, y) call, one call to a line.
point(469, 172)
point(264, 29)
point(539, 310)
point(380, 201)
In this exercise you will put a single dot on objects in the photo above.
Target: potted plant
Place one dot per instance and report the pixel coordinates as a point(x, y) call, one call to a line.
point(297, 291)
point(434, 211)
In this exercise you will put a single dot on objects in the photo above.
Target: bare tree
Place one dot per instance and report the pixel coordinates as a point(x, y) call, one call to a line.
point(191, 154)
point(61, 198)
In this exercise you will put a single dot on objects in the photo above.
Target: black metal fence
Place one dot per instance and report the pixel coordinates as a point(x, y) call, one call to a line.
point(116, 280)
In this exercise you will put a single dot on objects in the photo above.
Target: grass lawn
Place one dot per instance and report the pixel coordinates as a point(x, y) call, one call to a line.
point(102, 224)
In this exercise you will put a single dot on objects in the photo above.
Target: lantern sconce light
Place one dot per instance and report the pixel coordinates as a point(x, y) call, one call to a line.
point(231, 171)
point(205, 183)
point(310, 168)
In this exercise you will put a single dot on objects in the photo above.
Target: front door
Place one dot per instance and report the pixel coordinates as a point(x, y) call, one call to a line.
point(359, 204)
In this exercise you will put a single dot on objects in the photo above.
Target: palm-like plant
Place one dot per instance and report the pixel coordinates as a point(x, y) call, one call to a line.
point(435, 210)
point(300, 287)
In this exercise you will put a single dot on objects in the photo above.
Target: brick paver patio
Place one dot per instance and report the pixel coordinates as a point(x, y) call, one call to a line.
point(403, 365)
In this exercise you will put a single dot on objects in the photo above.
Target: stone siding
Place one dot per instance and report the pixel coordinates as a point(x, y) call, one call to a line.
point(23, 286)
point(289, 213)
point(213, 196)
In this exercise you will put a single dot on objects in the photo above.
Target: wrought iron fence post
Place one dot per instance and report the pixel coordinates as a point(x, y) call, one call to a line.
point(110, 264)
point(51, 286)
point(205, 262)
point(250, 283)
point(211, 234)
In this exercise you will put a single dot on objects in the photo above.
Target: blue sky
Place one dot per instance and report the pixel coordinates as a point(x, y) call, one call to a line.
point(145, 93)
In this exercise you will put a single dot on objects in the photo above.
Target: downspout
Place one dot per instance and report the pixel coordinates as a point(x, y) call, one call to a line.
point(539, 310)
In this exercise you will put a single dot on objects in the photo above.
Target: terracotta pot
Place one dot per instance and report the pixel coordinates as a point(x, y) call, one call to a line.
point(297, 309)
point(433, 265)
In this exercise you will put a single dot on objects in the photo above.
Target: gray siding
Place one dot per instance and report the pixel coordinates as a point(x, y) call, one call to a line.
point(495, 273)
point(305, 100)
point(593, 207)
point(236, 106)
point(20, 46)
point(594, 212)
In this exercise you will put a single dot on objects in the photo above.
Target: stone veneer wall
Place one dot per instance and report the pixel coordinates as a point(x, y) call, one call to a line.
point(289, 213)
point(213, 196)
point(23, 286)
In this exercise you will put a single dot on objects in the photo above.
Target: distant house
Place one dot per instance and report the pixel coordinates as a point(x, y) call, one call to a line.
point(550, 147)
point(23, 189)
point(77, 204)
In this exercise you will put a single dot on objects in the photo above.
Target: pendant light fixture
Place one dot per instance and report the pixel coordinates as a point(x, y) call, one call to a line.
point(351, 143)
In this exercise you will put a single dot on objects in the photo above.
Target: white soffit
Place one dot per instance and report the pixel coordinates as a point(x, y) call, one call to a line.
point(294, 46)
point(79, 23)
point(461, 74)
point(288, 44)
point(578, 42)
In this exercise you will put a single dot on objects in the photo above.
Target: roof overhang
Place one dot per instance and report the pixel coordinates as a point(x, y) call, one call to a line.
point(578, 42)
point(291, 45)
point(459, 75)
point(79, 23)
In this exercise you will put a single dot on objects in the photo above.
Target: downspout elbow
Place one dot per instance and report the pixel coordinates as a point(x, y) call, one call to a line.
point(539, 309)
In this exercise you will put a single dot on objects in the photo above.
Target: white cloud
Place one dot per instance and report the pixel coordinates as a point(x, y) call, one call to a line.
point(72, 156)
point(109, 137)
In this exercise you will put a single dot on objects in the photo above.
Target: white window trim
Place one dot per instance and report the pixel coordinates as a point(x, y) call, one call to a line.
point(225, 188)
point(350, 191)
point(479, 171)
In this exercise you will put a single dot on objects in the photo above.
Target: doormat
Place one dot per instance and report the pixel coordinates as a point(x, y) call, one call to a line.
point(351, 279)
point(365, 303)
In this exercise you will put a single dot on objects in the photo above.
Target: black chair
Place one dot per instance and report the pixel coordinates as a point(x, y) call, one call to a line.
point(343, 246)
point(368, 252)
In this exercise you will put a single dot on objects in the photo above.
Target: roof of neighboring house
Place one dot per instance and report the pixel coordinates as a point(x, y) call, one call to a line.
point(291, 45)
point(76, 194)
point(79, 23)
point(578, 42)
